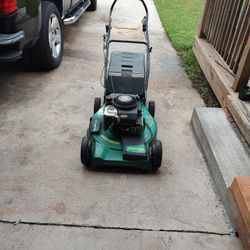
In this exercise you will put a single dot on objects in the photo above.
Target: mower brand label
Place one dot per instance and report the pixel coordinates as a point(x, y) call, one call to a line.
point(136, 149)
point(105, 138)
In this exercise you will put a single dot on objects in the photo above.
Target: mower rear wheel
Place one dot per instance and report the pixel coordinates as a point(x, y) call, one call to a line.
point(156, 155)
point(151, 108)
point(97, 104)
point(86, 151)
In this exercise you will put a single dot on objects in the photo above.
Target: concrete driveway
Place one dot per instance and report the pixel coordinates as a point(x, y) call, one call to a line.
point(60, 204)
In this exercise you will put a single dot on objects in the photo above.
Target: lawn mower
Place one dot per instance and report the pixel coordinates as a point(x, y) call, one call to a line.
point(122, 130)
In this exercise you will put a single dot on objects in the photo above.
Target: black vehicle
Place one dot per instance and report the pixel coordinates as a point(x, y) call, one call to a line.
point(36, 26)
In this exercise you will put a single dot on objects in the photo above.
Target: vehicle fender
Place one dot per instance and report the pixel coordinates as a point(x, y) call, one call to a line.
point(29, 19)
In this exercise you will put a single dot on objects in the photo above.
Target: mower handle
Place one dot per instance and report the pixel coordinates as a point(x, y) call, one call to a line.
point(113, 5)
point(127, 41)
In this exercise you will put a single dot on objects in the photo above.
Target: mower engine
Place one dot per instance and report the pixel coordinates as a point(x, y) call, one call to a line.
point(123, 112)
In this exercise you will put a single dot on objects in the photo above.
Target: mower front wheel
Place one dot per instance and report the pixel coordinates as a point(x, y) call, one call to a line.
point(97, 104)
point(156, 155)
point(151, 108)
point(86, 151)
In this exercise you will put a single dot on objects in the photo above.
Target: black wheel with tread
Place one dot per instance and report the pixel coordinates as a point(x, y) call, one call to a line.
point(48, 50)
point(97, 104)
point(151, 108)
point(86, 151)
point(156, 155)
point(93, 5)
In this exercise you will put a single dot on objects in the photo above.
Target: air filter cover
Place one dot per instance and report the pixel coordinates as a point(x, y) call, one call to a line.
point(125, 102)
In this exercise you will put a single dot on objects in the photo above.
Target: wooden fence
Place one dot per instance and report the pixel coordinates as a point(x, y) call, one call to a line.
point(222, 48)
point(226, 25)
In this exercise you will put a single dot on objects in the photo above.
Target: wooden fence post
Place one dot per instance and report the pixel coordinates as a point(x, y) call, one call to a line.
point(201, 32)
point(243, 73)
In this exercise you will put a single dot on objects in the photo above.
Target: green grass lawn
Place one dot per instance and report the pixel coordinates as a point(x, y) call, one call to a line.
point(180, 19)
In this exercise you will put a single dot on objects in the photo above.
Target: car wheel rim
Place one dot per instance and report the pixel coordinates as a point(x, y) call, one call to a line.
point(54, 36)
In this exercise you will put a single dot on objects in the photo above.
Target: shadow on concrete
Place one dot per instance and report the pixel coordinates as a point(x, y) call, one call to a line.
point(23, 65)
point(121, 170)
point(19, 82)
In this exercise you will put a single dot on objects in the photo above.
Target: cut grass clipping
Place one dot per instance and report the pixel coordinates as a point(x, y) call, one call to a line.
point(180, 19)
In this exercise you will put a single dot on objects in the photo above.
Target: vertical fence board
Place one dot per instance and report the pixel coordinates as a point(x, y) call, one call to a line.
point(216, 21)
point(233, 27)
point(228, 24)
point(211, 25)
point(205, 13)
point(206, 17)
point(243, 74)
point(238, 33)
point(223, 25)
point(209, 16)
point(243, 32)
point(220, 22)
point(240, 50)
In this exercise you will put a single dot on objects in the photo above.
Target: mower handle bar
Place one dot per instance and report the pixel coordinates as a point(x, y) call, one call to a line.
point(113, 5)
point(127, 41)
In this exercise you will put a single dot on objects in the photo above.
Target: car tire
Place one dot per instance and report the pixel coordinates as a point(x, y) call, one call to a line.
point(48, 50)
point(92, 6)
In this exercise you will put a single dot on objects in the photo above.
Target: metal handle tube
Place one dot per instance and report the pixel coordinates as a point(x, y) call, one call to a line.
point(127, 41)
point(115, 1)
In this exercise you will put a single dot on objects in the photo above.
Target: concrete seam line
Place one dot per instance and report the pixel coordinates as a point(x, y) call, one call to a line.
point(116, 228)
